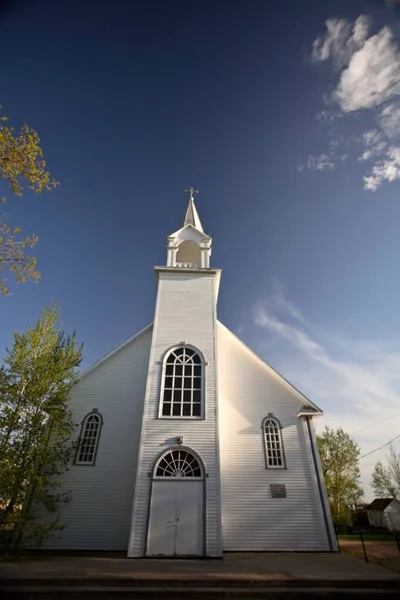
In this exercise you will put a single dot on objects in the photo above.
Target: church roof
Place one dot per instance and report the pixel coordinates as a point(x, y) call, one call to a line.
point(379, 504)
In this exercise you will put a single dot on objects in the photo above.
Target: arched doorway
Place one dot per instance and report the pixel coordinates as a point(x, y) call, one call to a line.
point(176, 524)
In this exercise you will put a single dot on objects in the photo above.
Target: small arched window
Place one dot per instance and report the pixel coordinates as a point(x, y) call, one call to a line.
point(178, 463)
point(273, 446)
point(89, 438)
point(182, 389)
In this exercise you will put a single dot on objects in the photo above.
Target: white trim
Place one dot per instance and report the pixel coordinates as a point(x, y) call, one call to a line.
point(217, 423)
point(319, 482)
point(130, 552)
point(110, 354)
point(300, 396)
point(308, 413)
point(186, 227)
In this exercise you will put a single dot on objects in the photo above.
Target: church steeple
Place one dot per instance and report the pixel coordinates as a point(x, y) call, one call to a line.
point(192, 217)
point(189, 247)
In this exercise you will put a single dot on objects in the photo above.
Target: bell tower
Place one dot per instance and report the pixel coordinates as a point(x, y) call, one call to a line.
point(189, 247)
point(182, 408)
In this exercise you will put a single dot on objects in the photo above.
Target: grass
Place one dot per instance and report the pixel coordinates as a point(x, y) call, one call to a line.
point(376, 557)
point(369, 536)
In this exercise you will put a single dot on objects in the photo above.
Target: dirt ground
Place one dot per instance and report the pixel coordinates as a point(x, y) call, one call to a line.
point(385, 554)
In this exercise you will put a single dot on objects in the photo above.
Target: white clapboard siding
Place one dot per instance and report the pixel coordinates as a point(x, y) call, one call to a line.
point(102, 495)
point(185, 312)
point(392, 516)
point(251, 519)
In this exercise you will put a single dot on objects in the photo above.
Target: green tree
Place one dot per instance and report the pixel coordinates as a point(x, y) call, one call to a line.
point(340, 456)
point(386, 479)
point(21, 165)
point(36, 441)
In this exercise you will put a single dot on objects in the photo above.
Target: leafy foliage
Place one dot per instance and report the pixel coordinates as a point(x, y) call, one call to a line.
point(340, 456)
point(35, 428)
point(386, 479)
point(21, 164)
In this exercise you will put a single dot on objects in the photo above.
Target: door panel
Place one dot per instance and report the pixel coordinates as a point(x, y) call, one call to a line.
point(189, 538)
point(162, 526)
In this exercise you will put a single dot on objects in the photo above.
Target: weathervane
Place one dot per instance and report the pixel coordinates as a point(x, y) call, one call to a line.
point(191, 191)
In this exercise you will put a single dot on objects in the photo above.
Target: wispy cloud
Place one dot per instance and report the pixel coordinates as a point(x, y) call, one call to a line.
point(323, 162)
point(374, 143)
point(367, 72)
point(357, 382)
point(341, 40)
point(389, 119)
point(387, 169)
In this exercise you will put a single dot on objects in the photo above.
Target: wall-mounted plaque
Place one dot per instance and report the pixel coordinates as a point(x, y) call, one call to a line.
point(278, 490)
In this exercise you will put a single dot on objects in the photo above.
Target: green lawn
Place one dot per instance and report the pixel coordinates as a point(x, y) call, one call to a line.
point(370, 536)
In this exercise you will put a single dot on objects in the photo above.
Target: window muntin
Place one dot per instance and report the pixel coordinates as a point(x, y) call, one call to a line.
point(273, 446)
point(183, 383)
point(180, 464)
point(89, 439)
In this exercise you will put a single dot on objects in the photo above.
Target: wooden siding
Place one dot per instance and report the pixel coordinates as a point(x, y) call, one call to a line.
point(102, 495)
point(251, 519)
point(392, 516)
point(185, 312)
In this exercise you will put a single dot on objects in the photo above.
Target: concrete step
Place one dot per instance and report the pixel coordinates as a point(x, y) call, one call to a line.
point(195, 582)
point(21, 592)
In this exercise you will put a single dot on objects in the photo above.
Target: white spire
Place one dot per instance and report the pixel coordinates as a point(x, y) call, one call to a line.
point(192, 217)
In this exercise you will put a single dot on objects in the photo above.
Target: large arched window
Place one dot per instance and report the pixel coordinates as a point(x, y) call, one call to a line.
point(179, 463)
point(182, 389)
point(273, 446)
point(89, 439)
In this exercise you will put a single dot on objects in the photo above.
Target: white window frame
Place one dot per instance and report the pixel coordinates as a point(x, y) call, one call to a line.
point(202, 388)
point(83, 439)
point(277, 442)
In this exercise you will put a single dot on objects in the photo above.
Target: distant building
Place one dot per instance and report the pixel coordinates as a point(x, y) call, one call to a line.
point(190, 444)
point(384, 513)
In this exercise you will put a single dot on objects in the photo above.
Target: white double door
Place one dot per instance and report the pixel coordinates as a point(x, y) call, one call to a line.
point(176, 518)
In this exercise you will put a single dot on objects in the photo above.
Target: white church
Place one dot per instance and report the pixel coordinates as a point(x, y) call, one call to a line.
point(189, 443)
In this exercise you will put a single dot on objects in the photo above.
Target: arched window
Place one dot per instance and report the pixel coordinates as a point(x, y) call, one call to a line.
point(89, 439)
point(182, 388)
point(273, 446)
point(179, 463)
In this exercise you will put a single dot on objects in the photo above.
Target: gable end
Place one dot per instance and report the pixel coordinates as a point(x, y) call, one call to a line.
point(309, 408)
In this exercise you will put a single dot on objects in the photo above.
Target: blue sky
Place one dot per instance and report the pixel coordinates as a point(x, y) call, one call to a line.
point(286, 118)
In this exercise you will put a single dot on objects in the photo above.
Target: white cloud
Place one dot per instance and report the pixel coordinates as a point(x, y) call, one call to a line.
point(357, 382)
point(369, 80)
point(323, 162)
point(375, 143)
point(389, 119)
point(387, 169)
point(373, 74)
point(340, 41)
point(327, 116)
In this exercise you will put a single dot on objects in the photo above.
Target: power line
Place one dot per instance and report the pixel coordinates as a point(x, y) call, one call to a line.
point(380, 447)
point(375, 423)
